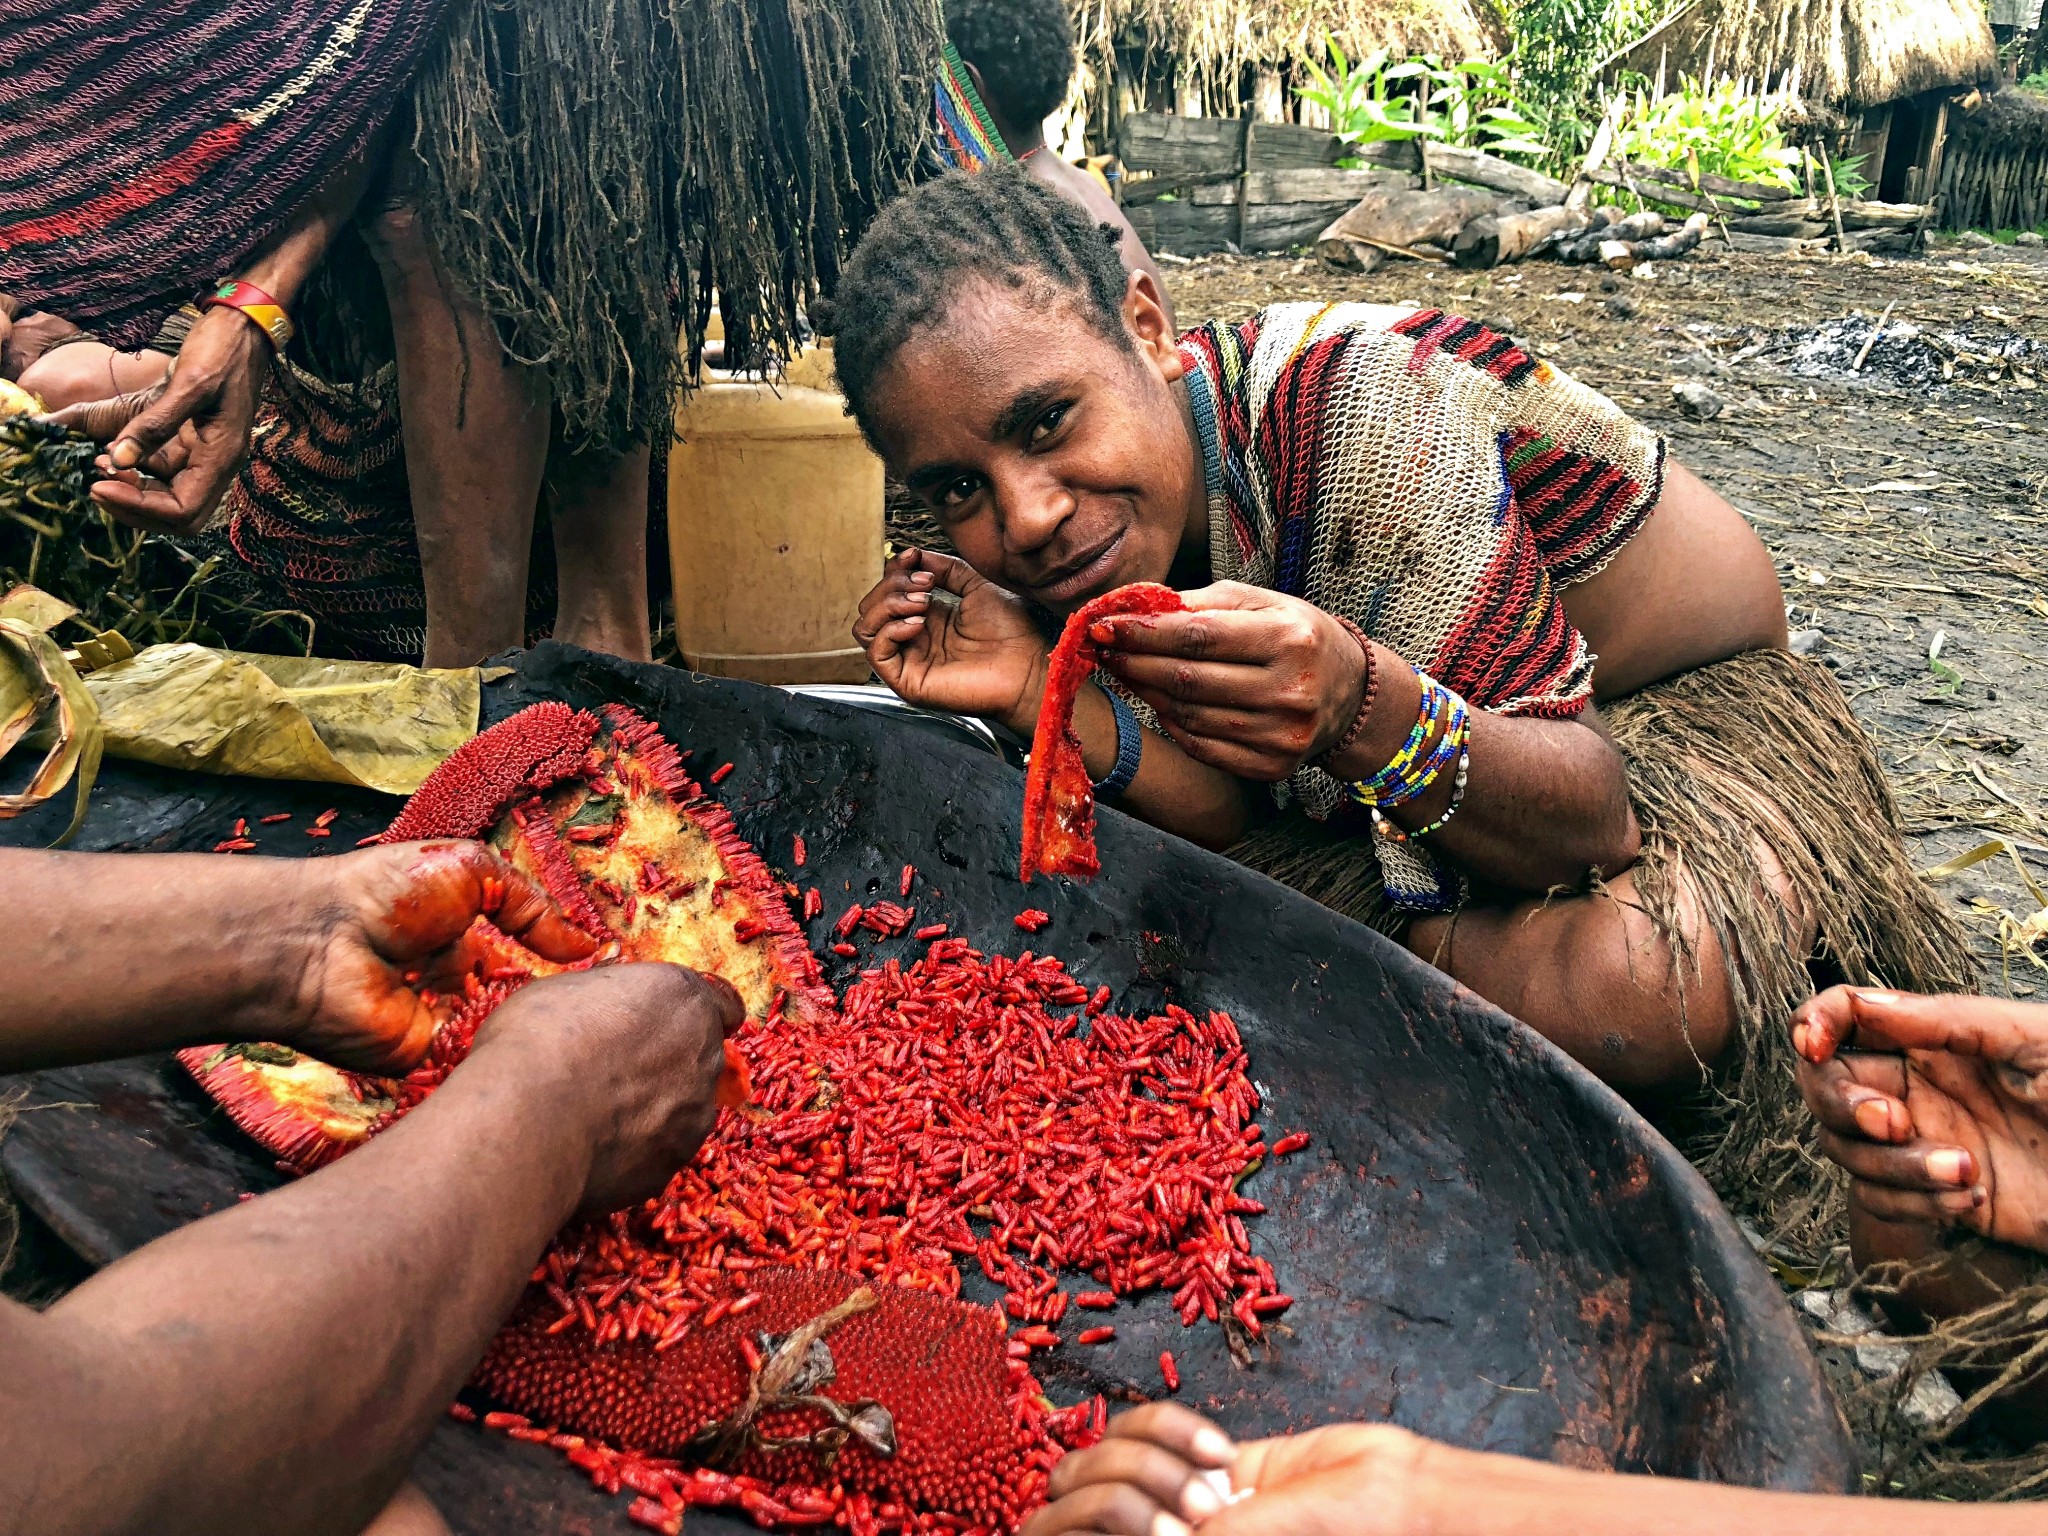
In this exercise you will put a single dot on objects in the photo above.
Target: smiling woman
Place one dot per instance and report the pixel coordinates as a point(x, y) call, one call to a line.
point(1402, 542)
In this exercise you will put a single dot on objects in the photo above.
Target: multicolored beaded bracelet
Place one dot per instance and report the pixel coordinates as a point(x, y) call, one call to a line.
point(1394, 834)
point(1396, 782)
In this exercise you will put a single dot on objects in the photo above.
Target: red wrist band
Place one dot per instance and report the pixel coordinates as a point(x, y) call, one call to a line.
point(264, 312)
point(1372, 683)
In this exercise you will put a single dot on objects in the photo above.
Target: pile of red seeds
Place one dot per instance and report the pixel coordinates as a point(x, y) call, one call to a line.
point(957, 1112)
point(966, 1108)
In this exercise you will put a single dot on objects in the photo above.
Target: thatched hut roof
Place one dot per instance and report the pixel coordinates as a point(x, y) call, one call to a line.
point(1831, 52)
point(1217, 40)
point(2009, 117)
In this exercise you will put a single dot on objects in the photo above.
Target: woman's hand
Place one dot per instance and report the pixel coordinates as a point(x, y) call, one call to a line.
point(375, 927)
point(1151, 1476)
point(1937, 1106)
point(1249, 681)
point(191, 431)
point(1144, 1478)
point(974, 650)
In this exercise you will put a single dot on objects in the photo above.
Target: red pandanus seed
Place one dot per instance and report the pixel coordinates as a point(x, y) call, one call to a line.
point(1168, 1371)
point(721, 773)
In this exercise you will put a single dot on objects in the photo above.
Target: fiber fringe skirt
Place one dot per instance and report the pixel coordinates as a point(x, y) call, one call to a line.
point(1758, 750)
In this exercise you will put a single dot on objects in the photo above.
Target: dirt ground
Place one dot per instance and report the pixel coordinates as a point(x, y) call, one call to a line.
point(1907, 512)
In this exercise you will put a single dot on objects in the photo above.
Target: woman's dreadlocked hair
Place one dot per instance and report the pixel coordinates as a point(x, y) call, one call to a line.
point(1024, 50)
point(997, 225)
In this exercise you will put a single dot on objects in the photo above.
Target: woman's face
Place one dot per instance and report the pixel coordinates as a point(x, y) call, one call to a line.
point(1061, 464)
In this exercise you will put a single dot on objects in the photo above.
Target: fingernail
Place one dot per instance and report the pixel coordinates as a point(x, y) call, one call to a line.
point(1198, 1501)
point(1875, 999)
point(1949, 1165)
point(1102, 633)
point(1799, 1038)
point(915, 618)
point(125, 454)
point(1211, 1444)
point(1164, 1524)
point(1873, 1117)
point(921, 578)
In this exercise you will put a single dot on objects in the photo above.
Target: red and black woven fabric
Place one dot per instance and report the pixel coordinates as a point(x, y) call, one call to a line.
point(147, 145)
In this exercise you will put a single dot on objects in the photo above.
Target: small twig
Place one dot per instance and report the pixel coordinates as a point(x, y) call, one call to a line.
point(1871, 340)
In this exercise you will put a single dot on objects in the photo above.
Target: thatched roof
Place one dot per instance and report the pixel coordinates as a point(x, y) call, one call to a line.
point(1832, 52)
point(2009, 117)
point(1219, 39)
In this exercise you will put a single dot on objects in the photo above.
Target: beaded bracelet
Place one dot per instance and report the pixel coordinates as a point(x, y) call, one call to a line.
point(1394, 834)
point(1372, 684)
point(1399, 772)
point(1449, 743)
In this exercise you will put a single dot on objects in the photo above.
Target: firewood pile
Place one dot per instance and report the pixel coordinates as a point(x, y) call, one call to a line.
point(1476, 211)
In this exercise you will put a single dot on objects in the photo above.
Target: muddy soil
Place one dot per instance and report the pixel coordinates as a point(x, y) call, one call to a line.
point(1905, 500)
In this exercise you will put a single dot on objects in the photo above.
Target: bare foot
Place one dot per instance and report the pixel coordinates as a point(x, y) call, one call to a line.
point(598, 509)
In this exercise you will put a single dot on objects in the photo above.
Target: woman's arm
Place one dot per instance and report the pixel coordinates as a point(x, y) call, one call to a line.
point(116, 954)
point(276, 1367)
point(1694, 586)
point(194, 432)
point(1156, 1473)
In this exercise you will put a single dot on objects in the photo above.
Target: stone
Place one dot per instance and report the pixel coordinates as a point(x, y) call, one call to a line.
point(1694, 399)
point(1931, 1403)
point(1975, 240)
point(2031, 238)
point(1806, 641)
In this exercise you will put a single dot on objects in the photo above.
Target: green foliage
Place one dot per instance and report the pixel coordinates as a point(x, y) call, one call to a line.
point(1718, 131)
point(1849, 178)
point(1378, 98)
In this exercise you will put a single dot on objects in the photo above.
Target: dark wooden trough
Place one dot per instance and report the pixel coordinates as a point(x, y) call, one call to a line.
point(1486, 1244)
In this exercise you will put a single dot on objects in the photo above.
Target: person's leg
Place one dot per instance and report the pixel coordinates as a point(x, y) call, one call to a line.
point(409, 1513)
point(476, 438)
point(1596, 977)
point(598, 507)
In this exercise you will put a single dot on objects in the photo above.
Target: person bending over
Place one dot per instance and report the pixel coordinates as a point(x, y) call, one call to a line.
point(144, 1400)
point(1018, 56)
point(1403, 541)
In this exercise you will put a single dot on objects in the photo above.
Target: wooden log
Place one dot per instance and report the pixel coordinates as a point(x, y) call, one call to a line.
point(1480, 169)
point(1668, 247)
point(1491, 239)
point(1323, 185)
point(1857, 214)
point(1792, 227)
point(1403, 219)
point(1286, 146)
point(1592, 245)
point(1708, 184)
point(1277, 226)
point(1348, 255)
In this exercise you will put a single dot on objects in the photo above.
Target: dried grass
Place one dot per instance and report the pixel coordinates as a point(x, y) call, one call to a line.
point(1834, 52)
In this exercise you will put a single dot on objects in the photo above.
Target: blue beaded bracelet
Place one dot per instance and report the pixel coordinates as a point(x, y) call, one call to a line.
point(1130, 750)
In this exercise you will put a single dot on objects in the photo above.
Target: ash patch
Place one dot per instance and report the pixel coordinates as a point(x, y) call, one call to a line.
point(1923, 360)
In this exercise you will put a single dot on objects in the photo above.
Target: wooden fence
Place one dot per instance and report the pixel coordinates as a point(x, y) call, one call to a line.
point(1212, 182)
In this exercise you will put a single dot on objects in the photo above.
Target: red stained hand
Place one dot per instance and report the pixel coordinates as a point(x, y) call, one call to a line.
point(382, 915)
point(946, 638)
point(1937, 1106)
point(1250, 681)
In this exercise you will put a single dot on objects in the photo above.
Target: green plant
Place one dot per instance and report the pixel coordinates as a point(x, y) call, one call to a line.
point(1720, 130)
point(1849, 178)
point(1378, 98)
